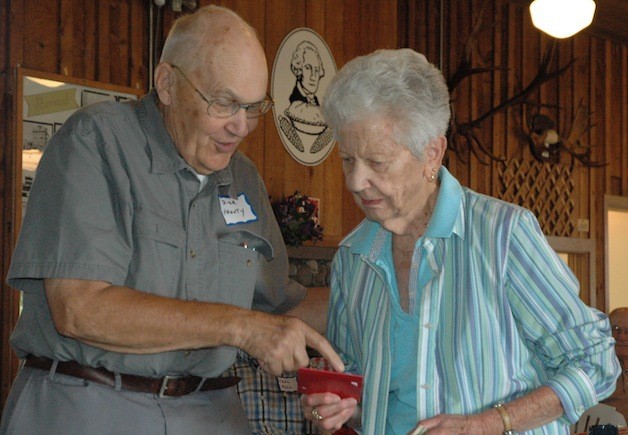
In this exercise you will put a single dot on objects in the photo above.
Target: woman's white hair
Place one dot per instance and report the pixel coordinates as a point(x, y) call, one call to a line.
point(400, 85)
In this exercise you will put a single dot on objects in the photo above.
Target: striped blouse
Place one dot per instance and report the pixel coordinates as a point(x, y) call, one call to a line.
point(499, 315)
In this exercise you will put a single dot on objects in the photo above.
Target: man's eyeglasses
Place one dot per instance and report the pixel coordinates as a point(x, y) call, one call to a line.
point(224, 108)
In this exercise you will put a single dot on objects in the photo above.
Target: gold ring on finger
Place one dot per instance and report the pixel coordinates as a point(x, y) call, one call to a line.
point(315, 414)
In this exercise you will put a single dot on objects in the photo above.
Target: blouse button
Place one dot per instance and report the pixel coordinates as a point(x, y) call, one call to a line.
point(249, 263)
point(192, 253)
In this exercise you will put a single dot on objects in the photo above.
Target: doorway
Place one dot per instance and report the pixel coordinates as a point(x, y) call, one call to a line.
point(616, 241)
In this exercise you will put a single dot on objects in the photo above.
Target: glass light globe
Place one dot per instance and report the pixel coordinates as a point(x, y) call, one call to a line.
point(562, 18)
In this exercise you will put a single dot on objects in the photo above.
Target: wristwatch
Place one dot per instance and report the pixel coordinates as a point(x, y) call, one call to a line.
point(505, 418)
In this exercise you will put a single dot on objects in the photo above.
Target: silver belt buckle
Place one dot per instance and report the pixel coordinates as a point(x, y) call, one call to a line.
point(164, 385)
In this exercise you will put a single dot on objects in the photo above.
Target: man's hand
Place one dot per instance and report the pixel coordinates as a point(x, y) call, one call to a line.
point(279, 343)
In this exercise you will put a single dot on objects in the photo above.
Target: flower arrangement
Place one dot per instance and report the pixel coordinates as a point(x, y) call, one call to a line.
point(296, 215)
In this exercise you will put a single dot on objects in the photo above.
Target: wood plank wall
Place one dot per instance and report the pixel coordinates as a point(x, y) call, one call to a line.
point(598, 79)
point(107, 40)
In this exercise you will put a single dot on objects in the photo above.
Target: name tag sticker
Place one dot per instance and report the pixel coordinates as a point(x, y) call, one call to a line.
point(237, 210)
point(288, 385)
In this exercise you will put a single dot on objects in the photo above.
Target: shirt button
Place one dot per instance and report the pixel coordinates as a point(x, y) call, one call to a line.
point(428, 325)
point(249, 263)
point(425, 386)
point(186, 353)
point(192, 253)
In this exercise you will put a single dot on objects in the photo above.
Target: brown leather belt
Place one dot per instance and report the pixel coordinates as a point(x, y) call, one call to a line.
point(166, 386)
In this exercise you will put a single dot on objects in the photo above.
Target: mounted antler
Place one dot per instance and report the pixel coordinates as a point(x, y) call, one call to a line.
point(546, 144)
point(463, 135)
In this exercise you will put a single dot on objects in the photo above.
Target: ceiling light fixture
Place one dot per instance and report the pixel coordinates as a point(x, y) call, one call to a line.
point(562, 18)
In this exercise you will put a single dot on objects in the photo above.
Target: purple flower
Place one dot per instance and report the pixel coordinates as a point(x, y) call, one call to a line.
point(295, 216)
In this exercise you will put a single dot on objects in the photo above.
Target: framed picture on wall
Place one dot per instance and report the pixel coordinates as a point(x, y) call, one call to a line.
point(44, 101)
point(90, 97)
point(35, 135)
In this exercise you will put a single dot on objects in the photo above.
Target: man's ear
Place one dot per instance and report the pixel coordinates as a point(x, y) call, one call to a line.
point(164, 82)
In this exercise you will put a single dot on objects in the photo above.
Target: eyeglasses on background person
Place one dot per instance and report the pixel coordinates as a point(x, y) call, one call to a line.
point(619, 329)
point(224, 108)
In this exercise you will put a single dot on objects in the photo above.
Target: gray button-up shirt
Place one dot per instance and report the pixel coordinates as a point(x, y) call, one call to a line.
point(113, 201)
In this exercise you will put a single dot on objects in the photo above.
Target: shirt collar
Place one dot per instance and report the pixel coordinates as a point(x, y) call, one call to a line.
point(444, 221)
point(163, 153)
point(369, 237)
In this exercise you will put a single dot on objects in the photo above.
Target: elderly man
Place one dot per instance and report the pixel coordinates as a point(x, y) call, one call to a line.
point(146, 242)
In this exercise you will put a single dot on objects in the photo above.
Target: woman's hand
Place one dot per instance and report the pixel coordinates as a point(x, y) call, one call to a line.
point(450, 424)
point(328, 411)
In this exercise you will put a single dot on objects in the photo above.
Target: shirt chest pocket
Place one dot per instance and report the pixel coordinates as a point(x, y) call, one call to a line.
point(159, 254)
point(242, 256)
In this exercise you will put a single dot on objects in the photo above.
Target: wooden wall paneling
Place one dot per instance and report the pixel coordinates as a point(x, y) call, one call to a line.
point(418, 32)
point(482, 100)
point(103, 73)
point(615, 128)
point(90, 42)
point(514, 66)
point(408, 24)
point(378, 25)
point(582, 67)
point(332, 181)
point(597, 185)
point(68, 47)
point(138, 45)
point(119, 43)
point(436, 44)
point(13, 47)
point(623, 152)
point(40, 35)
point(278, 163)
point(455, 162)
point(15, 20)
point(458, 33)
point(499, 90)
point(352, 30)
point(475, 97)
point(351, 47)
point(563, 116)
point(315, 16)
point(579, 263)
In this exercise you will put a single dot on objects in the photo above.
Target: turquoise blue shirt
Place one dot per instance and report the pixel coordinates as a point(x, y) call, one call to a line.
point(498, 315)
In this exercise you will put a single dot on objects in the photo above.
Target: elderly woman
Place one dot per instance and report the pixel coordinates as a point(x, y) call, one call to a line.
point(450, 303)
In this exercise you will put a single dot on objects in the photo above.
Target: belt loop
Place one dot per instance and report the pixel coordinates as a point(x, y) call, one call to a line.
point(53, 369)
point(200, 385)
point(118, 381)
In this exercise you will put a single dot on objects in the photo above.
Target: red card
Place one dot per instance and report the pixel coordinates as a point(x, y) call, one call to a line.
point(325, 381)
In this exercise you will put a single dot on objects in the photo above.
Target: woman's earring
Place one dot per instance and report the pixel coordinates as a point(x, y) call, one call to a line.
point(433, 176)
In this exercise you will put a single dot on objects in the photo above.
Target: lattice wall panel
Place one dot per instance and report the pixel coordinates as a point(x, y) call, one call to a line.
point(547, 190)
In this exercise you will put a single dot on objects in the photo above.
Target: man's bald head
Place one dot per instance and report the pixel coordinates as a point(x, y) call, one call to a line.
point(212, 35)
